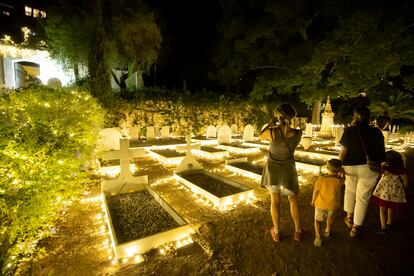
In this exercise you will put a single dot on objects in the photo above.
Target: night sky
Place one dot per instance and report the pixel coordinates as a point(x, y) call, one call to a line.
point(189, 34)
point(188, 29)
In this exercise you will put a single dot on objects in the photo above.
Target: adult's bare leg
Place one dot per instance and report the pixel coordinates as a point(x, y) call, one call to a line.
point(275, 210)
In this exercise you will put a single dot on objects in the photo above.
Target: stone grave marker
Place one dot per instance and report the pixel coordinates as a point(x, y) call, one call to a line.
point(309, 130)
point(134, 132)
point(150, 133)
point(339, 131)
point(233, 129)
point(218, 127)
point(248, 133)
point(224, 134)
point(189, 162)
point(125, 180)
point(211, 132)
point(165, 132)
point(108, 139)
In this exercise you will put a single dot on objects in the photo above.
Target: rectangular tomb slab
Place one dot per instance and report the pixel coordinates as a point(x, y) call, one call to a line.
point(313, 154)
point(217, 189)
point(210, 152)
point(204, 141)
point(258, 144)
point(239, 148)
point(142, 220)
point(157, 143)
point(316, 166)
point(167, 156)
point(241, 166)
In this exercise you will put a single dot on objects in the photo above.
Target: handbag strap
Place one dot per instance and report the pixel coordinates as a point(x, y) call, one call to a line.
point(362, 142)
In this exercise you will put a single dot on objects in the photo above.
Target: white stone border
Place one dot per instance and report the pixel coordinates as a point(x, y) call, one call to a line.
point(140, 246)
point(217, 201)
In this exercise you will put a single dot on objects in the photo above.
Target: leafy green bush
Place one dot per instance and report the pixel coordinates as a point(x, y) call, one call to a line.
point(46, 135)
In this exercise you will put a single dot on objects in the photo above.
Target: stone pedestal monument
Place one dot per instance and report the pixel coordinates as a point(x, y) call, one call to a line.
point(327, 121)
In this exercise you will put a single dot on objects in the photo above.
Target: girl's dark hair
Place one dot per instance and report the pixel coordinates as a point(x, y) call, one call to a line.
point(286, 110)
point(394, 159)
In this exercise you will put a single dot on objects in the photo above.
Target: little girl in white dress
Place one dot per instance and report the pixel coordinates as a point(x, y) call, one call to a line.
point(389, 193)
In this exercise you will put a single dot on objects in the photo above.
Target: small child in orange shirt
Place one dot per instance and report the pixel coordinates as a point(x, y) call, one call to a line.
point(326, 198)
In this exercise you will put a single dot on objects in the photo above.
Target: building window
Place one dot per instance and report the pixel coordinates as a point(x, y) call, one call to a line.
point(39, 13)
point(27, 10)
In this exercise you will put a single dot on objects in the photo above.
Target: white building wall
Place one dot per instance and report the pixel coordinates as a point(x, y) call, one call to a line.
point(8, 69)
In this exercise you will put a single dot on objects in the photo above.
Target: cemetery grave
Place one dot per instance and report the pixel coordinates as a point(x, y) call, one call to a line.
point(156, 143)
point(140, 221)
point(204, 140)
point(316, 166)
point(241, 166)
point(316, 154)
point(167, 156)
point(211, 152)
point(217, 189)
point(137, 215)
point(238, 148)
point(258, 144)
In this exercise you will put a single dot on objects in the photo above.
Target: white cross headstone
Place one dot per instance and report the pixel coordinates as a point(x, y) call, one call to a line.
point(309, 130)
point(108, 139)
point(133, 132)
point(224, 134)
point(165, 132)
point(189, 162)
point(125, 181)
point(339, 131)
point(150, 133)
point(248, 133)
point(233, 129)
point(211, 132)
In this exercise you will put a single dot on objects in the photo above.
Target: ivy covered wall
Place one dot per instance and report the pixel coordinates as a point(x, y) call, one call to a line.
point(190, 111)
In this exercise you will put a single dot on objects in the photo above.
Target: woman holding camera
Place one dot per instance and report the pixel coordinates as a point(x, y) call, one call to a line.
point(279, 174)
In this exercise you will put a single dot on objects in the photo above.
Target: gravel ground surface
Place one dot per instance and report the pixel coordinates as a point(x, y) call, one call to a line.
point(234, 242)
point(137, 215)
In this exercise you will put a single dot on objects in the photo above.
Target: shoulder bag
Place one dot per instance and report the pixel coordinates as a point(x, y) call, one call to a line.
point(374, 165)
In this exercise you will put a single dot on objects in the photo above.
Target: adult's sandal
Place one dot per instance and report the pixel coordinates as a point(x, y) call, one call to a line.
point(354, 231)
point(275, 236)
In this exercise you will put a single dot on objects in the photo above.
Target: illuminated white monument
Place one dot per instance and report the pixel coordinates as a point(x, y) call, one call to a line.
point(327, 121)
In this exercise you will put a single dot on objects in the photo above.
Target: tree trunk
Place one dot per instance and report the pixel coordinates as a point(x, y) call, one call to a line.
point(76, 71)
point(316, 112)
point(100, 84)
